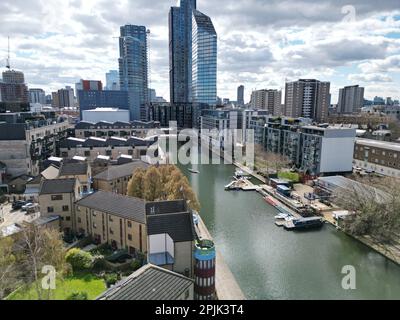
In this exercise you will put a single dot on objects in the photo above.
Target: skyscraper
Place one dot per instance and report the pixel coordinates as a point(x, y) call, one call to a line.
point(133, 67)
point(37, 96)
point(180, 51)
point(112, 80)
point(13, 88)
point(307, 98)
point(351, 99)
point(204, 60)
point(240, 95)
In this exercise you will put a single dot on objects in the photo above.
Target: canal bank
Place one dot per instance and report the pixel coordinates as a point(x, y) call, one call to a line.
point(270, 263)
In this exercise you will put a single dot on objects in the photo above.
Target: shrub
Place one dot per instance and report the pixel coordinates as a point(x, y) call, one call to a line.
point(79, 259)
point(111, 279)
point(78, 296)
point(136, 264)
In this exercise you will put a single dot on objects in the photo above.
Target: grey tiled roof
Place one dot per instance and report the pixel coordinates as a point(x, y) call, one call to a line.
point(57, 186)
point(73, 169)
point(115, 172)
point(179, 226)
point(149, 283)
point(119, 205)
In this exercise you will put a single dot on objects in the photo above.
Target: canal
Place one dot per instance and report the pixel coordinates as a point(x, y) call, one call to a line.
point(271, 263)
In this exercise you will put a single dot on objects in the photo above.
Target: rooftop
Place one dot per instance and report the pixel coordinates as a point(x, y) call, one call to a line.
point(179, 226)
point(73, 169)
point(115, 204)
point(379, 144)
point(124, 170)
point(149, 283)
point(57, 186)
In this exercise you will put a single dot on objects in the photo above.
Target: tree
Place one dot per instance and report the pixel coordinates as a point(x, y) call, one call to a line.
point(162, 183)
point(268, 162)
point(135, 185)
point(8, 262)
point(39, 247)
point(79, 259)
point(376, 203)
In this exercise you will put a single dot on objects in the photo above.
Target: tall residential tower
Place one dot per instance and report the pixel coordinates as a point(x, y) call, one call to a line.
point(133, 68)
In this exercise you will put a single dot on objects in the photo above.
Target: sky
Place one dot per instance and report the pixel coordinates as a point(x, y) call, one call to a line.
point(261, 43)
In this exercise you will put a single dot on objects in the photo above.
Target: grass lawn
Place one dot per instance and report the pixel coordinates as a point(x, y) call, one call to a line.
point(292, 176)
point(88, 283)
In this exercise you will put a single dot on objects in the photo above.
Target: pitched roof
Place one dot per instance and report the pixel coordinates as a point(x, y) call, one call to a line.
point(116, 204)
point(115, 172)
point(73, 169)
point(149, 283)
point(179, 226)
point(50, 173)
point(57, 186)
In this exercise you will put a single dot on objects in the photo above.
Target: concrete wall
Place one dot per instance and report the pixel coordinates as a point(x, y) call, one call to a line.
point(14, 154)
point(184, 258)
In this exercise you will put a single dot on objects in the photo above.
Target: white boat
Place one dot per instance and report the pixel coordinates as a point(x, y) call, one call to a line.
point(281, 216)
point(290, 218)
point(194, 171)
point(240, 174)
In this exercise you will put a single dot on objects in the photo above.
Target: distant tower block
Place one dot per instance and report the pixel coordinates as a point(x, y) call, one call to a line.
point(204, 271)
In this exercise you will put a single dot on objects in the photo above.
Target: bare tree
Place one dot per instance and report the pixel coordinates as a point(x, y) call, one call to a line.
point(269, 162)
point(376, 204)
point(8, 262)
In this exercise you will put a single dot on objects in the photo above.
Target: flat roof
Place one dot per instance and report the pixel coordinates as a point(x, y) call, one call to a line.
point(379, 144)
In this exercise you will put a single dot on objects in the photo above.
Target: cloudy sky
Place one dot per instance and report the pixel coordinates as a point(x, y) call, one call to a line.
point(261, 42)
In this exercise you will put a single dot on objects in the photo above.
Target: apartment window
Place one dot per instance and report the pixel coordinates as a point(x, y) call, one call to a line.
point(111, 231)
point(50, 209)
point(68, 218)
point(129, 237)
point(87, 153)
point(65, 208)
point(110, 219)
point(79, 220)
point(56, 197)
point(108, 152)
point(129, 224)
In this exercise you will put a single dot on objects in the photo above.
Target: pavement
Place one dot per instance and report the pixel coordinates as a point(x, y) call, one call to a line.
point(14, 217)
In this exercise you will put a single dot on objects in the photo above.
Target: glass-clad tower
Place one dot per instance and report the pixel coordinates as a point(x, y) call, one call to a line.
point(180, 51)
point(204, 59)
point(133, 66)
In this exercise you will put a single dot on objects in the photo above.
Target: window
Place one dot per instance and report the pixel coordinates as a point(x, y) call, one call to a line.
point(68, 218)
point(129, 224)
point(129, 237)
point(56, 197)
point(87, 153)
point(79, 220)
point(65, 208)
point(50, 209)
point(111, 231)
point(108, 152)
point(94, 226)
point(110, 219)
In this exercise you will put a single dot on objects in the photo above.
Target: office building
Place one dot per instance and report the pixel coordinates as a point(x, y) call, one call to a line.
point(240, 95)
point(89, 85)
point(351, 100)
point(204, 60)
point(133, 68)
point(307, 98)
point(269, 100)
point(14, 95)
point(37, 96)
point(112, 80)
point(180, 51)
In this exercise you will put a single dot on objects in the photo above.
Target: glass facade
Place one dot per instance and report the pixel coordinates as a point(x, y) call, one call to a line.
point(180, 51)
point(204, 60)
point(133, 67)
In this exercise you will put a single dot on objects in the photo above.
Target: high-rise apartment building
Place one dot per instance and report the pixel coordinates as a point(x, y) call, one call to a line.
point(240, 95)
point(37, 96)
point(351, 99)
point(267, 100)
point(63, 98)
point(204, 60)
point(112, 80)
point(307, 98)
point(180, 51)
point(133, 67)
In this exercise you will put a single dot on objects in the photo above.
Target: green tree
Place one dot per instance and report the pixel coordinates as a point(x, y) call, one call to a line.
point(79, 259)
point(8, 262)
point(163, 183)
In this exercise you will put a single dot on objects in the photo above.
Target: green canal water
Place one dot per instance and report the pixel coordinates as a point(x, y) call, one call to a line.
point(271, 263)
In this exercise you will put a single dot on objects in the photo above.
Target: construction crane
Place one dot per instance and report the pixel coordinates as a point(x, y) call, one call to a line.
point(8, 64)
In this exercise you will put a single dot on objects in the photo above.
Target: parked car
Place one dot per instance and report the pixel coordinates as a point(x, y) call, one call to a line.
point(27, 206)
point(17, 205)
